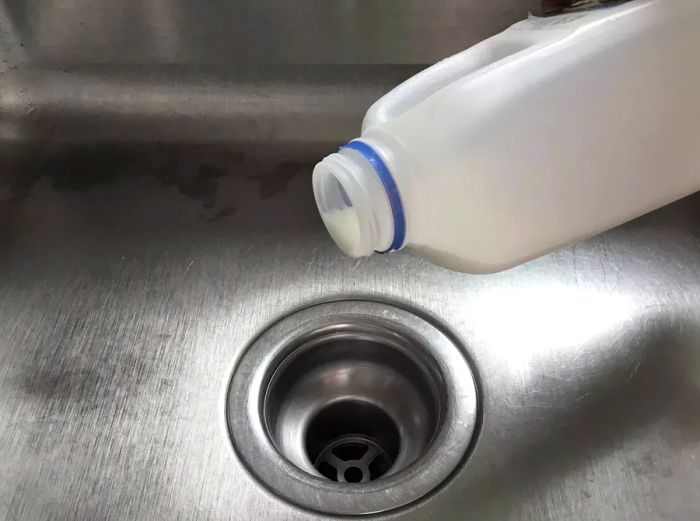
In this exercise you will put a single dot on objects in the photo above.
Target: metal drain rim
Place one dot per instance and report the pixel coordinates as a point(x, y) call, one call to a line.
point(262, 459)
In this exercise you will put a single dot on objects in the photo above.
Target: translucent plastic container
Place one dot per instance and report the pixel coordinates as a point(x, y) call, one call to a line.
point(554, 130)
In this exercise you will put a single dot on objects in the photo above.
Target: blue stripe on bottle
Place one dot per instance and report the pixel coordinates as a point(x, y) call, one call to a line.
point(392, 191)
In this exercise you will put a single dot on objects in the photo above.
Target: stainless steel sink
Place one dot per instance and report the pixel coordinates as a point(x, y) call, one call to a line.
point(156, 217)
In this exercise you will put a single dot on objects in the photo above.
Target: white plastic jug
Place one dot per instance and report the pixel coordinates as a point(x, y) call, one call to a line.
point(554, 130)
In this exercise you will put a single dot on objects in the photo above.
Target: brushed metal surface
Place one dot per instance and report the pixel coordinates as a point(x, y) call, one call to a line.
point(269, 72)
point(220, 33)
point(266, 106)
point(132, 276)
point(127, 297)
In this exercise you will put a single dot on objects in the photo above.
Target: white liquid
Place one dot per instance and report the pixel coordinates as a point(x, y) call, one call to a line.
point(344, 227)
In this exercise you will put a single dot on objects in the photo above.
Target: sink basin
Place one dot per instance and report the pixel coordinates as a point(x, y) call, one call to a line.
point(155, 220)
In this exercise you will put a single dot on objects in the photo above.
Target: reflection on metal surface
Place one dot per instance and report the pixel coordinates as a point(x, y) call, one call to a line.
point(219, 33)
point(373, 407)
point(170, 71)
point(587, 313)
point(273, 106)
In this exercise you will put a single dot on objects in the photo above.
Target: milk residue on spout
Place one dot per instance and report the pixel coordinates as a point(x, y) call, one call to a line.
point(344, 228)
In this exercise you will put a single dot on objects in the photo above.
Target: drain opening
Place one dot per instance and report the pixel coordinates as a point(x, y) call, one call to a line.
point(353, 474)
point(354, 404)
point(352, 407)
point(352, 442)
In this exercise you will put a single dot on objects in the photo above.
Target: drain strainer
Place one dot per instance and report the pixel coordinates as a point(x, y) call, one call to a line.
point(353, 459)
point(352, 441)
point(352, 407)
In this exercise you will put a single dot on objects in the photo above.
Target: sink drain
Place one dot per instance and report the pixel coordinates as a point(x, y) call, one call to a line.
point(358, 442)
point(353, 459)
point(352, 407)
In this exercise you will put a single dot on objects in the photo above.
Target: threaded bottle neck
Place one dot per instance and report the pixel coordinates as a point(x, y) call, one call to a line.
point(353, 203)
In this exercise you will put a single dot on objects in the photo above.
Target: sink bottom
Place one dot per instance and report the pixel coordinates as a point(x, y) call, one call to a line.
point(132, 280)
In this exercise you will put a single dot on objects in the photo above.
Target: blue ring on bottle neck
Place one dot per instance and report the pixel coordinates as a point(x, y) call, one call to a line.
point(392, 191)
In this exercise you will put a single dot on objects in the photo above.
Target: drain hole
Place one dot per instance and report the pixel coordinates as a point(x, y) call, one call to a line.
point(363, 399)
point(352, 441)
point(353, 474)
